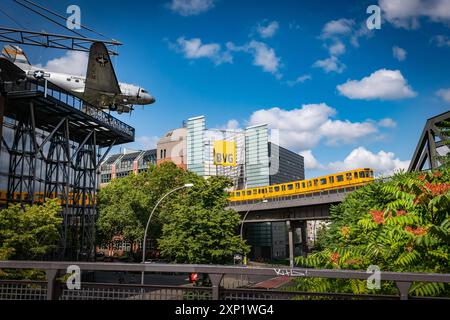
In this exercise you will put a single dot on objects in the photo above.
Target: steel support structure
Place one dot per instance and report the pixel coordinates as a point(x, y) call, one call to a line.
point(431, 139)
point(54, 152)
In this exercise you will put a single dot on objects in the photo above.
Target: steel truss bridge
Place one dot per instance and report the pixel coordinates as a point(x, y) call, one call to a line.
point(54, 150)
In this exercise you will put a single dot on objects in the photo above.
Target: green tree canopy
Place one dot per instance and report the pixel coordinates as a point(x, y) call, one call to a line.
point(401, 224)
point(31, 232)
point(199, 229)
point(125, 204)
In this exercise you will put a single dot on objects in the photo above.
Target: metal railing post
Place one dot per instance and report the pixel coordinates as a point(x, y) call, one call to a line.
point(215, 278)
point(53, 291)
point(403, 287)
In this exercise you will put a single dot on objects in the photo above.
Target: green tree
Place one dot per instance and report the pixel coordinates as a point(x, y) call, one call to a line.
point(125, 204)
point(31, 232)
point(400, 224)
point(198, 228)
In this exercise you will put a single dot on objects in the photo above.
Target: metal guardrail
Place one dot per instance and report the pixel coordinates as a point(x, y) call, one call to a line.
point(54, 289)
point(55, 92)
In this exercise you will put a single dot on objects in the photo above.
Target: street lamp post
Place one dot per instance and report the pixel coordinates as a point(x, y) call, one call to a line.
point(187, 185)
point(243, 220)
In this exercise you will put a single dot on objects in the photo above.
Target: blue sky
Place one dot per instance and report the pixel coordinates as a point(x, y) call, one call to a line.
point(342, 95)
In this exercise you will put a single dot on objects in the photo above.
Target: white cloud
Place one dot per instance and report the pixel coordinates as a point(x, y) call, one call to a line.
point(331, 64)
point(406, 14)
point(268, 29)
point(387, 123)
point(382, 84)
point(384, 163)
point(303, 128)
point(441, 41)
point(338, 131)
point(300, 79)
point(337, 48)
point(399, 53)
point(263, 56)
point(195, 49)
point(73, 62)
point(444, 94)
point(293, 25)
point(146, 142)
point(191, 7)
point(337, 27)
point(310, 161)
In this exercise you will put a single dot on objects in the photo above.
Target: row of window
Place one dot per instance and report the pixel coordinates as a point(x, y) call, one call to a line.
point(309, 183)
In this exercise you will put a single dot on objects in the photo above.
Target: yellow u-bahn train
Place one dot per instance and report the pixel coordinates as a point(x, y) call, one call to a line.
point(357, 177)
point(73, 199)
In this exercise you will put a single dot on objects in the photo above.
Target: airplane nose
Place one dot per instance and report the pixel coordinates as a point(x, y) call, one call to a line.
point(151, 99)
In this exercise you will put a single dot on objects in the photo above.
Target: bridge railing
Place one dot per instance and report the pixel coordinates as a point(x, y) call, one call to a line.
point(53, 288)
point(50, 90)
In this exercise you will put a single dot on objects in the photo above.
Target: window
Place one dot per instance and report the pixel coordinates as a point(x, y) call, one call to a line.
point(331, 179)
point(355, 175)
point(303, 185)
point(255, 191)
point(144, 91)
point(238, 194)
point(340, 178)
point(290, 186)
point(76, 80)
point(348, 176)
point(249, 193)
point(309, 184)
point(361, 174)
point(161, 154)
point(316, 182)
point(297, 185)
point(277, 189)
point(283, 188)
point(68, 79)
point(270, 189)
point(323, 181)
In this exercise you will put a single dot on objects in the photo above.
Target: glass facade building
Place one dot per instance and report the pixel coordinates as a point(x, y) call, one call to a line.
point(257, 161)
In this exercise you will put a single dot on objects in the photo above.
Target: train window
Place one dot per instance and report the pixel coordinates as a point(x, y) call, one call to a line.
point(331, 179)
point(249, 193)
point(297, 185)
point(309, 184)
point(259, 191)
point(238, 194)
point(283, 188)
point(369, 174)
point(356, 175)
point(270, 189)
point(348, 176)
point(340, 178)
point(361, 174)
point(277, 189)
point(290, 186)
point(303, 185)
point(316, 182)
point(323, 181)
point(255, 191)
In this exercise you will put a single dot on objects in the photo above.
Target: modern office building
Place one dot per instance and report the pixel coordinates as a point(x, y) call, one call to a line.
point(172, 147)
point(244, 155)
point(122, 164)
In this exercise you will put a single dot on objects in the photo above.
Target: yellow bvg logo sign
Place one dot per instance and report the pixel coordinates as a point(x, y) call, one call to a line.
point(224, 153)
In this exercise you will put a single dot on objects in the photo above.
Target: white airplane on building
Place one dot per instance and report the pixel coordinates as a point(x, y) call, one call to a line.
point(99, 88)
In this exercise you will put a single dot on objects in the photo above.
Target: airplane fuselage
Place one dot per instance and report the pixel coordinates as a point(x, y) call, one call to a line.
point(130, 94)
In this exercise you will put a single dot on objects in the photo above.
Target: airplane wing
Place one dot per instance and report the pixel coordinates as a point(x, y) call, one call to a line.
point(101, 81)
point(9, 71)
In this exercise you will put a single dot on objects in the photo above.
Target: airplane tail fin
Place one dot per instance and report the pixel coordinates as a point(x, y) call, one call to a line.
point(15, 54)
